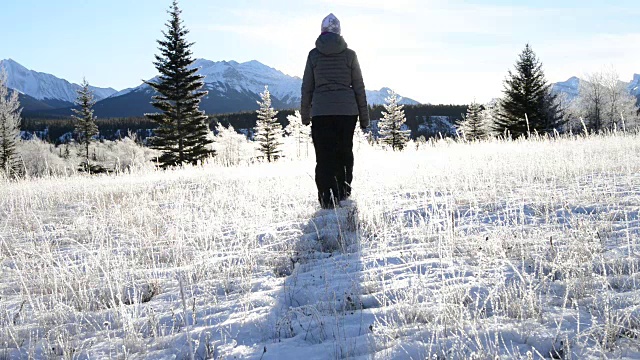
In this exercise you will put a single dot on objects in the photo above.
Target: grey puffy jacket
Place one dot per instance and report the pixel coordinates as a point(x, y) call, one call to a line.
point(332, 82)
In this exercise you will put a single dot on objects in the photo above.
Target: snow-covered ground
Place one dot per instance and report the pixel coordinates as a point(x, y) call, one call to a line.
point(524, 249)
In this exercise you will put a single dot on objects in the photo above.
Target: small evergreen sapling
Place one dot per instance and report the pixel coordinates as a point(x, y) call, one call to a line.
point(85, 123)
point(473, 126)
point(268, 129)
point(391, 124)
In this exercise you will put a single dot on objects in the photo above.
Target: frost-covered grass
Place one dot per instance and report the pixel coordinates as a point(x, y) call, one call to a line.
point(525, 249)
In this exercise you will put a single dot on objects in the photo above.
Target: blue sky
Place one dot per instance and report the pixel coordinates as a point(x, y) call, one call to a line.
point(431, 50)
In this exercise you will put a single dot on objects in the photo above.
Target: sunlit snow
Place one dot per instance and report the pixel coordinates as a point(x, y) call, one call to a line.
point(507, 249)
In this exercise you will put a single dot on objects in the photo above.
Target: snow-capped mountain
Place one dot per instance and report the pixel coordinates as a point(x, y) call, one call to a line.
point(249, 77)
point(47, 87)
point(227, 79)
point(378, 97)
point(570, 87)
point(122, 92)
point(232, 87)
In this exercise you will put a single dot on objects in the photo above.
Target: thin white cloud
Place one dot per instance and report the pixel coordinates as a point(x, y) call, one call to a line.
point(436, 51)
point(590, 54)
point(398, 6)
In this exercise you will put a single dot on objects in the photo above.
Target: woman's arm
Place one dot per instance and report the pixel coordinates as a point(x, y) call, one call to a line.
point(361, 95)
point(308, 86)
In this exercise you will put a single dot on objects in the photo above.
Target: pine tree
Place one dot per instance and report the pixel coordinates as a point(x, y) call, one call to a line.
point(473, 126)
point(391, 123)
point(182, 132)
point(9, 128)
point(268, 129)
point(527, 106)
point(85, 123)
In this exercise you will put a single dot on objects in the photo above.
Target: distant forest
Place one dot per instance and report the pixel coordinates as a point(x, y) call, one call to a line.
point(51, 129)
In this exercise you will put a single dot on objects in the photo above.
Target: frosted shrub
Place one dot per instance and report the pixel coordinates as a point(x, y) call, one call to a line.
point(39, 158)
point(297, 144)
point(125, 155)
point(232, 148)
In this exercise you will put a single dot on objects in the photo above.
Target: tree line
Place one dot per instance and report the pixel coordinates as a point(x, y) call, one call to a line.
point(116, 128)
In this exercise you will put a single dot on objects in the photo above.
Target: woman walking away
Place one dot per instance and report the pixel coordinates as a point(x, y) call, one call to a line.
point(333, 97)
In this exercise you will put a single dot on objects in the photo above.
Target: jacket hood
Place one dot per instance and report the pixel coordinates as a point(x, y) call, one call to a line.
point(330, 44)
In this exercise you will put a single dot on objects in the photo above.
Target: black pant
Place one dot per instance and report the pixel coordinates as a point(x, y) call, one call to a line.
point(333, 143)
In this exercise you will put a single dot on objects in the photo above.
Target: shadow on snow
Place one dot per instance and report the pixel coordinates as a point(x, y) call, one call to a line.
point(319, 312)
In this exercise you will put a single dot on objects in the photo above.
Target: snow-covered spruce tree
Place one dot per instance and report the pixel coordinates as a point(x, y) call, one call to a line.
point(300, 133)
point(393, 118)
point(473, 126)
point(9, 128)
point(528, 105)
point(182, 132)
point(85, 126)
point(268, 129)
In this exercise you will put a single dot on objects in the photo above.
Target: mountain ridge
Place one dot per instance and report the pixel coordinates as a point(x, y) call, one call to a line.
point(231, 86)
point(45, 87)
